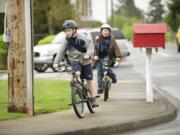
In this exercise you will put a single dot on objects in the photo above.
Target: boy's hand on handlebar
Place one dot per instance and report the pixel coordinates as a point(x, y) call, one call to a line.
point(86, 57)
point(96, 58)
point(118, 59)
point(117, 62)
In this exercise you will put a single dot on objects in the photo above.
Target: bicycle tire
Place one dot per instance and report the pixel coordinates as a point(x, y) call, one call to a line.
point(77, 101)
point(106, 89)
point(89, 104)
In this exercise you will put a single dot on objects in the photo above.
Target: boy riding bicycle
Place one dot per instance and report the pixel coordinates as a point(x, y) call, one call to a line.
point(79, 50)
point(106, 49)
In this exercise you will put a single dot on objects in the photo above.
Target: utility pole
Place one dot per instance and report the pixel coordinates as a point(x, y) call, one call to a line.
point(112, 12)
point(106, 11)
point(20, 71)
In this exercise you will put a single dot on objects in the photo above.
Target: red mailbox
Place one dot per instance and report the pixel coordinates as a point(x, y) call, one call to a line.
point(149, 35)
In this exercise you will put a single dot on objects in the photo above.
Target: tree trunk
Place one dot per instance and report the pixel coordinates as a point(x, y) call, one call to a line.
point(17, 71)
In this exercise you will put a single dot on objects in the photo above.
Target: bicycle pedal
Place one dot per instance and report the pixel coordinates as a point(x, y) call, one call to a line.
point(85, 100)
point(98, 96)
point(70, 104)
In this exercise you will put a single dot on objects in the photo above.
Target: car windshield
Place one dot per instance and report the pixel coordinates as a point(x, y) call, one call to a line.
point(94, 34)
point(58, 38)
point(116, 33)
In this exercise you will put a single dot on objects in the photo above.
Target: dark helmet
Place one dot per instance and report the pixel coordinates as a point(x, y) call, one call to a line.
point(69, 24)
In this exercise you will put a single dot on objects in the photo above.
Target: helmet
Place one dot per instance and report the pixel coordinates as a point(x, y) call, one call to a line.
point(69, 24)
point(105, 26)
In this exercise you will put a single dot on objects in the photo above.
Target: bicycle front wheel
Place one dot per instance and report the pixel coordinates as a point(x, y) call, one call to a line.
point(77, 101)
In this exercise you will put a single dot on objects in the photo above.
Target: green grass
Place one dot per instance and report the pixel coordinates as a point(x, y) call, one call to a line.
point(50, 96)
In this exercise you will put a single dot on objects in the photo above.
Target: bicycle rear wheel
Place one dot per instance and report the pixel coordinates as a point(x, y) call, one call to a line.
point(89, 104)
point(106, 86)
point(77, 101)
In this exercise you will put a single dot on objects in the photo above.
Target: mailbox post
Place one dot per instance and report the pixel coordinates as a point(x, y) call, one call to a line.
point(149, 36)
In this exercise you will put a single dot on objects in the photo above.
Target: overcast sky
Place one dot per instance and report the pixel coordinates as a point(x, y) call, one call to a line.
point(99, 11)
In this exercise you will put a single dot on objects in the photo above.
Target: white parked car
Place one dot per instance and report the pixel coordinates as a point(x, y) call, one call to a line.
point(44, 54)
point(120, 39)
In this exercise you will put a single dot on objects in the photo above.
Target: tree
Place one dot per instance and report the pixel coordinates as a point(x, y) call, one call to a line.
point(1, 23)
point(155, 12)
point(128, 8)
point(173, 17)
point(50, 14)
point(126, 15)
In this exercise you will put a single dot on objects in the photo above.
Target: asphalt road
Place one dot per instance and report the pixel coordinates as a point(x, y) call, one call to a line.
point(166, 76)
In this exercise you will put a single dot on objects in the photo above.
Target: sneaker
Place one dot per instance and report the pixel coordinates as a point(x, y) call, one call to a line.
point(94, 103)
point(114, 81)
point(99, 91)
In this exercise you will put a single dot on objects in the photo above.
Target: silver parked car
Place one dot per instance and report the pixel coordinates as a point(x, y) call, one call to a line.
point(119, 36)
point(120, 39)
point(44, 54)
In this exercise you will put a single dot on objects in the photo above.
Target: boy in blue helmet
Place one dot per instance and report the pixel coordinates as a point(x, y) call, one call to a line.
point(79, 50)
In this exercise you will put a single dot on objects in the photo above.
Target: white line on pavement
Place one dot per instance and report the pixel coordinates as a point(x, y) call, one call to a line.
point(159, 53)
point(162, 54)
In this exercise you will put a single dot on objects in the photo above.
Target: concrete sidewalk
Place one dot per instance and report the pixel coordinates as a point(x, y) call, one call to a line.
point(125, 110)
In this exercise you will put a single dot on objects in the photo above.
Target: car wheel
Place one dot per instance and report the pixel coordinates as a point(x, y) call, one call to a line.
point(179, 48)
point(178, 45)
point(41, 68)
point(55, 70)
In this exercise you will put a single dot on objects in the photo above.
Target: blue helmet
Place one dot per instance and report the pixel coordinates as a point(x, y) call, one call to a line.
point(69, 24)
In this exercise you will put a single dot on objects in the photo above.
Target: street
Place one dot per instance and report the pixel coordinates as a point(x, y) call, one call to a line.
point(166, 76)
point(33, 40)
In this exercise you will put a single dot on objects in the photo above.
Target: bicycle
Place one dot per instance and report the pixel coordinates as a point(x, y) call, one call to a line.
point(106, 80)
point(80, 94)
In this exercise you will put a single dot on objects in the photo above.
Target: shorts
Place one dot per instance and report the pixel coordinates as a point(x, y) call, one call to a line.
point(85, 70)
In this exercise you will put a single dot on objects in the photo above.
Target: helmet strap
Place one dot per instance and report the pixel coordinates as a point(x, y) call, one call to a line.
point(74, 33)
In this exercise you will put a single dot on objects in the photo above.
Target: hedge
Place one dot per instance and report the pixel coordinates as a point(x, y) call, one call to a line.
point(3, 54)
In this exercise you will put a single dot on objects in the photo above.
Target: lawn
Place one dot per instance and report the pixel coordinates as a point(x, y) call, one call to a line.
point(50, 96)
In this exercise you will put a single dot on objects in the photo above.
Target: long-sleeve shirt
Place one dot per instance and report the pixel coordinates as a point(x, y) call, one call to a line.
point(74, 54)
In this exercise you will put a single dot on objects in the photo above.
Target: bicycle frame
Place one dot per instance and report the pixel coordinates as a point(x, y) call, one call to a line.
point(105, 72)
point(106, 80)
point(81, 83)
point(79, 94)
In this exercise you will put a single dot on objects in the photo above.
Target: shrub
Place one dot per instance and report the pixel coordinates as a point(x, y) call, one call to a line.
point(3, 54)
point(46, 40)
point(170, 37)
point(125, 24)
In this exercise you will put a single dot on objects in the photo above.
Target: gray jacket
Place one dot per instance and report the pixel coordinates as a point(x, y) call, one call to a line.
point(74, 55)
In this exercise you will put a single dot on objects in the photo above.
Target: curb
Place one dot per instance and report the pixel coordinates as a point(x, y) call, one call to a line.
point(168, 115)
